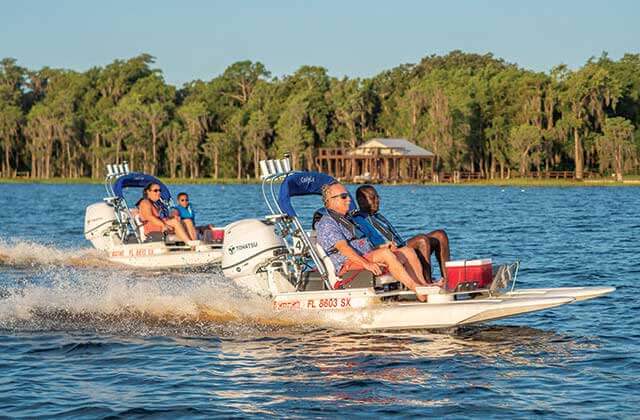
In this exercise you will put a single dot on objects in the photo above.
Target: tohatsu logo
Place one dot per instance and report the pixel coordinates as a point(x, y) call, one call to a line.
point(235, 248)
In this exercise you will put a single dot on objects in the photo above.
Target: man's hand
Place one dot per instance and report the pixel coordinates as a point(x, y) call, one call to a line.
point(374, 268)
point(391, 246)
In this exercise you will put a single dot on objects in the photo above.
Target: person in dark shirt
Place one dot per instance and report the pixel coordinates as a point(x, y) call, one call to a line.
point(425, 244)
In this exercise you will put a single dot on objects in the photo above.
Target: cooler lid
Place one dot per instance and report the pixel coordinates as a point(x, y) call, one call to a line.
point(485, 261)
point(463, 263)
point(457, 263)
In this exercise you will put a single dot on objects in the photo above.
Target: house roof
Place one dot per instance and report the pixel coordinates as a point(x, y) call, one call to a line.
point(402, 146)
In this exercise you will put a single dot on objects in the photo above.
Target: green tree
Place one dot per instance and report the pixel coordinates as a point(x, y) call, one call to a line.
point(12, 82)
point(240, 78)
point(258, 130)
point(293, 134)
point(154, 102)
point(615, 146)
point(195, 118)
point(588, 92)
point(523, 139)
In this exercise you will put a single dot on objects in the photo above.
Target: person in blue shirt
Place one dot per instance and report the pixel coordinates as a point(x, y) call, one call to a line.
point(381, 231)
point(187, 215)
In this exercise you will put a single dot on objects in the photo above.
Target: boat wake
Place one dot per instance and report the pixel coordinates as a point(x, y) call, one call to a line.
point(32, 254)
point(120, 302)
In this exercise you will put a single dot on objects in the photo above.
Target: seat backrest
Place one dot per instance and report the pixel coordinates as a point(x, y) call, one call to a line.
point(328, 264)
point(139, 225)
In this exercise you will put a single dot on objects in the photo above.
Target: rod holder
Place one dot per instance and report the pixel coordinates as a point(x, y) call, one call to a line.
point(264, 170)
point(272, 167)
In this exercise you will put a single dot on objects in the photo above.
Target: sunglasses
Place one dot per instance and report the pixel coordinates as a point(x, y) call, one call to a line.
point(186, 200)
point(342, 196)
point(155, 190)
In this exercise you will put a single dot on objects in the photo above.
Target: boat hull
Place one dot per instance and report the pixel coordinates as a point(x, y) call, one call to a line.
point(160, 256)
point(578, 293)
point(364, 309)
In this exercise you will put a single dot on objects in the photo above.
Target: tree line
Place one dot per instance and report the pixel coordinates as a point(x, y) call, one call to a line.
point(475, 112)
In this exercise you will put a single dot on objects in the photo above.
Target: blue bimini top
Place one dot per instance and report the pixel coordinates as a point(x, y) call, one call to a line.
point(300, 184)
point(139, 180)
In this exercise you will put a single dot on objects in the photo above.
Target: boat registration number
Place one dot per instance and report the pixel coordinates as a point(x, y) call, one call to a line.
point(327, 303)
point(134, 253)
point(344, 302)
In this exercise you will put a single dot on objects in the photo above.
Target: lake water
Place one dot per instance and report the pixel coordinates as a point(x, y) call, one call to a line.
point(79, 338)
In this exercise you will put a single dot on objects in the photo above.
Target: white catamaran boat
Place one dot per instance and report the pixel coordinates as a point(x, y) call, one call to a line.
point(278, 258)
point(115, 228)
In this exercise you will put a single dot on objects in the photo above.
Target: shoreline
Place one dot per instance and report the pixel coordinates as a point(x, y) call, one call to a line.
point(517, 182)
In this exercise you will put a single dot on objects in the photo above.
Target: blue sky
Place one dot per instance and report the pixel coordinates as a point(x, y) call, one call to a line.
point(199, 39)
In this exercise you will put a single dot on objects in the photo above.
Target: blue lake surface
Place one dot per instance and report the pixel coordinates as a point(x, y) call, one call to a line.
point(80, 338)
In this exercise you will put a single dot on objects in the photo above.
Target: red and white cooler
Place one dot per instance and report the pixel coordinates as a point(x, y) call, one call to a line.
point(463, 275)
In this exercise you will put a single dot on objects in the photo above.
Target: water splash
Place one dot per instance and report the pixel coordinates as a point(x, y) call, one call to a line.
point(22, 253)
point(129, 302)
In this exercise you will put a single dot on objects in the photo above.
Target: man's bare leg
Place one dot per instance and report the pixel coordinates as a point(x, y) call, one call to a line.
point(178, 229)
point(422, 245)
point(439, 241)
point(190, 228)
point(412, 265)
point(396, 269)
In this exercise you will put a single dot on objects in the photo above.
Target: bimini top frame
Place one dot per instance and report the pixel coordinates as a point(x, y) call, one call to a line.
point(292, 183)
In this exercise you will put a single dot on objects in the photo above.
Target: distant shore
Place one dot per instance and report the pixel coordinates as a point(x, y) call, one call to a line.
point(515, 182)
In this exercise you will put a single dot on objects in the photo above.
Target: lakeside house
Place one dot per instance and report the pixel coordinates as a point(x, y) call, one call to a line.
point(377, 160)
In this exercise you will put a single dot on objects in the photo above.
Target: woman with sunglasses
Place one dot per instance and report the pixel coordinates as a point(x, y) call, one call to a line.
point(155, 218)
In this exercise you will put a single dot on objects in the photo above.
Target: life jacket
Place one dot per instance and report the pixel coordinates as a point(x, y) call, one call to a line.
point(157, 211)
point(347, 223)
point(185, 212)
point(386, 228)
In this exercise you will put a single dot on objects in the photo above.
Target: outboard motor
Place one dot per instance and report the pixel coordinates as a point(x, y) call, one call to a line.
point(249, 245)
point(99, 221)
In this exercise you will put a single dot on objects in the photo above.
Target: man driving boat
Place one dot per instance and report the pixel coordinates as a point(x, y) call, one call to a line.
point(349, 249)
point(436, 241)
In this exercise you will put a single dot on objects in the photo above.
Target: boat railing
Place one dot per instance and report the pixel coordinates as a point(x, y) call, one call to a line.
point(274, 171)
point(122, 210)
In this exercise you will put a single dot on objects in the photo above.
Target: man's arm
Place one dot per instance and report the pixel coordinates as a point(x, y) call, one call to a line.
point(344, 248)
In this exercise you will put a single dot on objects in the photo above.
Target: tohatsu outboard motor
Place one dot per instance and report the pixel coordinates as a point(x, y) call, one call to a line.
point(99, 223)
point(249, 245)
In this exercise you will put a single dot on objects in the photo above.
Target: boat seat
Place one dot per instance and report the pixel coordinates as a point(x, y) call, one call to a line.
point(169, 238)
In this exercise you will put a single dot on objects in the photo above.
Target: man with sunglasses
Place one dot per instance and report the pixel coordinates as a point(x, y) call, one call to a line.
point(187, 215)
point(349, 249)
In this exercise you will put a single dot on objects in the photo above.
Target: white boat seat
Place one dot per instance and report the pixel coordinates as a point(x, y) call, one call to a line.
point(138, 224)
point(380, 281)
point(170, 238)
